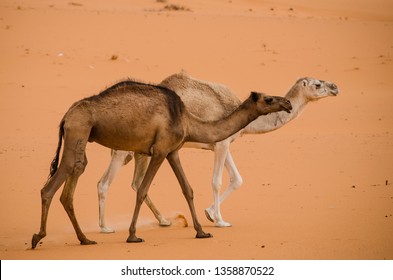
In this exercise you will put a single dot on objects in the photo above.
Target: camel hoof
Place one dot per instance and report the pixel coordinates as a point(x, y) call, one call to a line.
point(204, 235)
point(165, 223)
point(222, 224)
point(134, 239)
point(88, 242)
point(107, 230)
point(209, 215)
point(34, 241)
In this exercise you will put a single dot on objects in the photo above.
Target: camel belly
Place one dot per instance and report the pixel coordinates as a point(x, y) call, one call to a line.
point(123, 138)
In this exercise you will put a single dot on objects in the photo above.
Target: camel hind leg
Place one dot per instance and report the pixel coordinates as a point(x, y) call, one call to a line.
point(141, 164)
point(47, 193)
point(72, 165)
point(67, 196)
point(118, 159)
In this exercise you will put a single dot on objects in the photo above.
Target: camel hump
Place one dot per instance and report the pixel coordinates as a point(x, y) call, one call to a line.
point(133, 95)
point(210, 101)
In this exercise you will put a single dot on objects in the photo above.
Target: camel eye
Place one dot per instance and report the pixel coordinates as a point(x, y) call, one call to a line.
point(317, 86)
point(268, 100)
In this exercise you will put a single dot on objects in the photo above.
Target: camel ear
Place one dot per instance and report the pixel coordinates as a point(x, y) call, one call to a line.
point(255, 96)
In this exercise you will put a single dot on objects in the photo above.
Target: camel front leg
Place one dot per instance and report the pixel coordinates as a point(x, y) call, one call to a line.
point(117, 161)
point(213, 213)
point(174, 161)
point(235, 181)
point(141, 164)
point(152, 169)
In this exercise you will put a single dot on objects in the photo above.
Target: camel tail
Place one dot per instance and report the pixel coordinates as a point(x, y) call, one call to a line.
point(55, 161)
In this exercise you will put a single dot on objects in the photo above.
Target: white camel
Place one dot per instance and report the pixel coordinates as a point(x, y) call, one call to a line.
point(212, 101)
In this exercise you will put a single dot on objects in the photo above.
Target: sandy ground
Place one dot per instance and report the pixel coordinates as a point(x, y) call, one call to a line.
point(319, 188)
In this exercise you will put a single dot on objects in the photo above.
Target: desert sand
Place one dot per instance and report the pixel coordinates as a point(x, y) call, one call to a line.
point(321, 187)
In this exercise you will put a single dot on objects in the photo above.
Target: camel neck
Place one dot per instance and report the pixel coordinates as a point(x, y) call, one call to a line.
point(275, 120)
point(215, 131)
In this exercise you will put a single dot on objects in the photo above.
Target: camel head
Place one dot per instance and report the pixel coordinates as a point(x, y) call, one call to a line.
point(268, 104)
point(314, 89)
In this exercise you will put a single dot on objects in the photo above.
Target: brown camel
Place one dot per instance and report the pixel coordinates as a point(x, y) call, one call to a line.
point(147, 119)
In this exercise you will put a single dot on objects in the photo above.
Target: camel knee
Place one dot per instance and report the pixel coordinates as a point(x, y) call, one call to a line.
point(66, 200)
point(72, 167)
point(236, 183)
point(65, 169)
point(134, 186)
point(140, 196)
point(216, 184)
point(79, 167)
point(102, 189)
point(103, 185)
point(46, 197)
point(188, 193)
point(80, 160)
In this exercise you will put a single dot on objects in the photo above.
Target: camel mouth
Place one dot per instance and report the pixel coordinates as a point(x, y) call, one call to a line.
point(287, 107)
point(333, 90)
